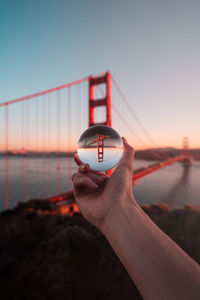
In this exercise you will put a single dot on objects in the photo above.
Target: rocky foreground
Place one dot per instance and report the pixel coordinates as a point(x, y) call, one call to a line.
point(46, 254)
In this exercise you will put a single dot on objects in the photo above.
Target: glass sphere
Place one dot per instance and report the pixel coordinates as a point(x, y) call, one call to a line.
point(101, 147)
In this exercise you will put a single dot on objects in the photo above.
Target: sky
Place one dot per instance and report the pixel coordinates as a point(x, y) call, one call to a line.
point(151, 47)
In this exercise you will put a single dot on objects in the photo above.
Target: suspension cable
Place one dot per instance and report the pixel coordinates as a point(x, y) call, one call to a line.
point(136, 118)
point(45, 92)
point(139, 138)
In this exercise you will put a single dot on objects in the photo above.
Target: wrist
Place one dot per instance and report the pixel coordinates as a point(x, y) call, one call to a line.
point(119, 214)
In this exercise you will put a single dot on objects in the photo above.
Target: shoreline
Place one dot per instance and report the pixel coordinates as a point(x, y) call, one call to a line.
point(154, 154)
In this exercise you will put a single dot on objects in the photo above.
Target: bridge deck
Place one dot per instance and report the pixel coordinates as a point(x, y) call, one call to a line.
point(138, 174)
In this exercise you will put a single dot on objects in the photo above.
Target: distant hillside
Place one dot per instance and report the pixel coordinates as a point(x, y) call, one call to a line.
point(149, 154)
point(156, 154)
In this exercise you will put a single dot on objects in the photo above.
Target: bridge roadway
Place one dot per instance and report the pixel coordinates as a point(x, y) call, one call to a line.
point(139, 173)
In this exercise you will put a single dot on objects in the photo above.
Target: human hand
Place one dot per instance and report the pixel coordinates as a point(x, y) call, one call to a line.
point(97, 194)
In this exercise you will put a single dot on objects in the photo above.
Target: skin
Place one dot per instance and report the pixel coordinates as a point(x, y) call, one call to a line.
point(157, 265)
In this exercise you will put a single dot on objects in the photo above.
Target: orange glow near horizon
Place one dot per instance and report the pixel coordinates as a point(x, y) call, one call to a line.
point(152, 50)
point(54, 123)
point(16, 145)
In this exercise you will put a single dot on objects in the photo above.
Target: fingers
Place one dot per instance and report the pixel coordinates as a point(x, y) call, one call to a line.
point(84, 182)
point(98, 179)
point(84, 171)
point(77, 159)
point(84, 168)
point(100, 173)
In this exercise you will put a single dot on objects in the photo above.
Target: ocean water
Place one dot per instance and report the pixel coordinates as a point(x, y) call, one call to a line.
point(111, 157)
point(44, 177)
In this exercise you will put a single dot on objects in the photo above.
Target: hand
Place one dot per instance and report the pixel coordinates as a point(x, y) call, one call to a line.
point(97, 194)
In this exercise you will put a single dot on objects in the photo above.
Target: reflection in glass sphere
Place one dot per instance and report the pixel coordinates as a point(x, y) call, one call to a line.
point(101, 147)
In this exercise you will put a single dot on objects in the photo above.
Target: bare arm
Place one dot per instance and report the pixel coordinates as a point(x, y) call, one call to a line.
point(159, 268)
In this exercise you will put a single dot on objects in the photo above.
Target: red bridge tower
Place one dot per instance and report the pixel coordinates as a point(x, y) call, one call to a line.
point(106, 101)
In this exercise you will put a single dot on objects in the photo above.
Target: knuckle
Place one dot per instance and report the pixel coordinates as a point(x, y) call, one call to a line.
point(73, 175)
point(82, 168)
point(87, 180)
point(80, 181)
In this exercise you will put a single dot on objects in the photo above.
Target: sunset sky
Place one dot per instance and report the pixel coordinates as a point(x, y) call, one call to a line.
point(152, 48)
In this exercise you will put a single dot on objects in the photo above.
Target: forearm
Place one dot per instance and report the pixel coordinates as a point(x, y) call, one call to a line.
point(159, 268)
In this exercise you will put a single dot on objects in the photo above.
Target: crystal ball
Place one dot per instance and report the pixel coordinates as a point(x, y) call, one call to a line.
point(101, 147)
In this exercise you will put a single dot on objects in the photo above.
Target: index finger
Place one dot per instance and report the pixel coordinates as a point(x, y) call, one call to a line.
point(79, 162)
point(77, 159)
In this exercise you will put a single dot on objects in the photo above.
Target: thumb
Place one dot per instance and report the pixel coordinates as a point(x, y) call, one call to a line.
point(128, 156)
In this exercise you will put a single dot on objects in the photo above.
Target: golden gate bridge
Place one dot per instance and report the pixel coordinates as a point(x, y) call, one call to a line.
point(48, 124)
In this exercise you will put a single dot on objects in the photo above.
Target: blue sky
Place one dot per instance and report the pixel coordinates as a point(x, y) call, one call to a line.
point(151, 47)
